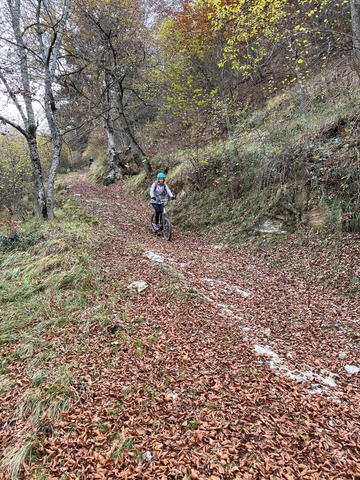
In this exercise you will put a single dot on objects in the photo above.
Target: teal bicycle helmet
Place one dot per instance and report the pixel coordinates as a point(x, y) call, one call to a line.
point(161, 175)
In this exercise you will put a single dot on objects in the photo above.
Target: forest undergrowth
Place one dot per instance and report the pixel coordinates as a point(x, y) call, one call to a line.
point(298, 168)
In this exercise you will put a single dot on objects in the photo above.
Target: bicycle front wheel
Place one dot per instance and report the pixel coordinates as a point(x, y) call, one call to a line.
point(152, 223)
point(166, 228)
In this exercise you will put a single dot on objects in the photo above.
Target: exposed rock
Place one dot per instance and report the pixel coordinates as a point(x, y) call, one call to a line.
point(271, 227)
point(224, 286)
point(139, 285)
point(146, 457)
point(110, 178)
point(352, 369)
point(219, 246)
point(154, 257)
point(267, 332)
point(172, 272)
point(242, 293)
point(205, 298)
point(277, 363)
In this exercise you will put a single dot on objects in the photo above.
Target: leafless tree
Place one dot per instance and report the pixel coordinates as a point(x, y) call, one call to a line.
point(30, 45)
point(106, 55)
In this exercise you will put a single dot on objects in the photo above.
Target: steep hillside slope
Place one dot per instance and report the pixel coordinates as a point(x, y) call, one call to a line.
point(295, 168)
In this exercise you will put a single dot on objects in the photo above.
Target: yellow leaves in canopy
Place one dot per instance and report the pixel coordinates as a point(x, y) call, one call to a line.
point(251, 28)
point(241, 23)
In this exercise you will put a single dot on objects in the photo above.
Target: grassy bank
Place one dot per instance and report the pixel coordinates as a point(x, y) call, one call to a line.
point(299, 168)
point(47, 282)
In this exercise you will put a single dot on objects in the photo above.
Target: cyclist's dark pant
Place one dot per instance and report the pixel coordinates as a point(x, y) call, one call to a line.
point(158, 211)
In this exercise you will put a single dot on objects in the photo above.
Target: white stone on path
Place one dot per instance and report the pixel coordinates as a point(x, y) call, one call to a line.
point(352, 369)
point(139, 286)
point(234, 288)
point(277, 363)
point(238, 290)
point(154, 257)
point(147, 456)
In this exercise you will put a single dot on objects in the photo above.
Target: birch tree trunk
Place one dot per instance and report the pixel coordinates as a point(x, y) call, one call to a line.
point(27, 116)
point(49, 54)
point(37, 175)
point(35, 40)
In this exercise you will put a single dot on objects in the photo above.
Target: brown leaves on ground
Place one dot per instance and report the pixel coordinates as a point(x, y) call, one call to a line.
point(171, 387)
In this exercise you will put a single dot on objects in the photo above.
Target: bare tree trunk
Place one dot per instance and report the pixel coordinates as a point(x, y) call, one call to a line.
point(37, 175)
point(119, 65)
point(57, 145)
point(355, 26)
point(113, 154)
point(50, 55)
point(224, 98)
point(299, 77)
point(28, 118)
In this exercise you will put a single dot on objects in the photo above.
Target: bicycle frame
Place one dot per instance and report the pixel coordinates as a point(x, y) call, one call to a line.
point(166, 229)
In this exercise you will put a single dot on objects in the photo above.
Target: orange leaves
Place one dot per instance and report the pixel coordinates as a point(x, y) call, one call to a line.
point(199, 403)
point(193, 20)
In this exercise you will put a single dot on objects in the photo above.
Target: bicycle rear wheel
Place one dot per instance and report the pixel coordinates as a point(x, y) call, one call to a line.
point(166, 228)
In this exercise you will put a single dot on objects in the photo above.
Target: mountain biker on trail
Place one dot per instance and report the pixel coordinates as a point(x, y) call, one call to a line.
point(158, 191)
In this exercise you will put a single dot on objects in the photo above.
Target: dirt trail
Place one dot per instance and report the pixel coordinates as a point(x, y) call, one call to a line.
point(223, 368)
point(303, 323)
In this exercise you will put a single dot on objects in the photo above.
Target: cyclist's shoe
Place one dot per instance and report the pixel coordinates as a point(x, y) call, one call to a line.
point(155, 227)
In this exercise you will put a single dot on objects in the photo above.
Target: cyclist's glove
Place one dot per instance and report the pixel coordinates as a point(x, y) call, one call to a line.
point(173, 197)
point(153, 198)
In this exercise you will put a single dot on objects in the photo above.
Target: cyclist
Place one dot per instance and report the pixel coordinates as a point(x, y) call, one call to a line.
point(158, 191)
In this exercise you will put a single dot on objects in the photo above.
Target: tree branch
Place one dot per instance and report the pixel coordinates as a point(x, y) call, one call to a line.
point(13, 97)
point(14, 125)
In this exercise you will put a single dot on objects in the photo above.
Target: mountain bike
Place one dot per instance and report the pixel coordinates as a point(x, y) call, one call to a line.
point(165, 225)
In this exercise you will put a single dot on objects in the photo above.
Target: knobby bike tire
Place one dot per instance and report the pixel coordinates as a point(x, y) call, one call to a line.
point(151, 223)
point(167, 228)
